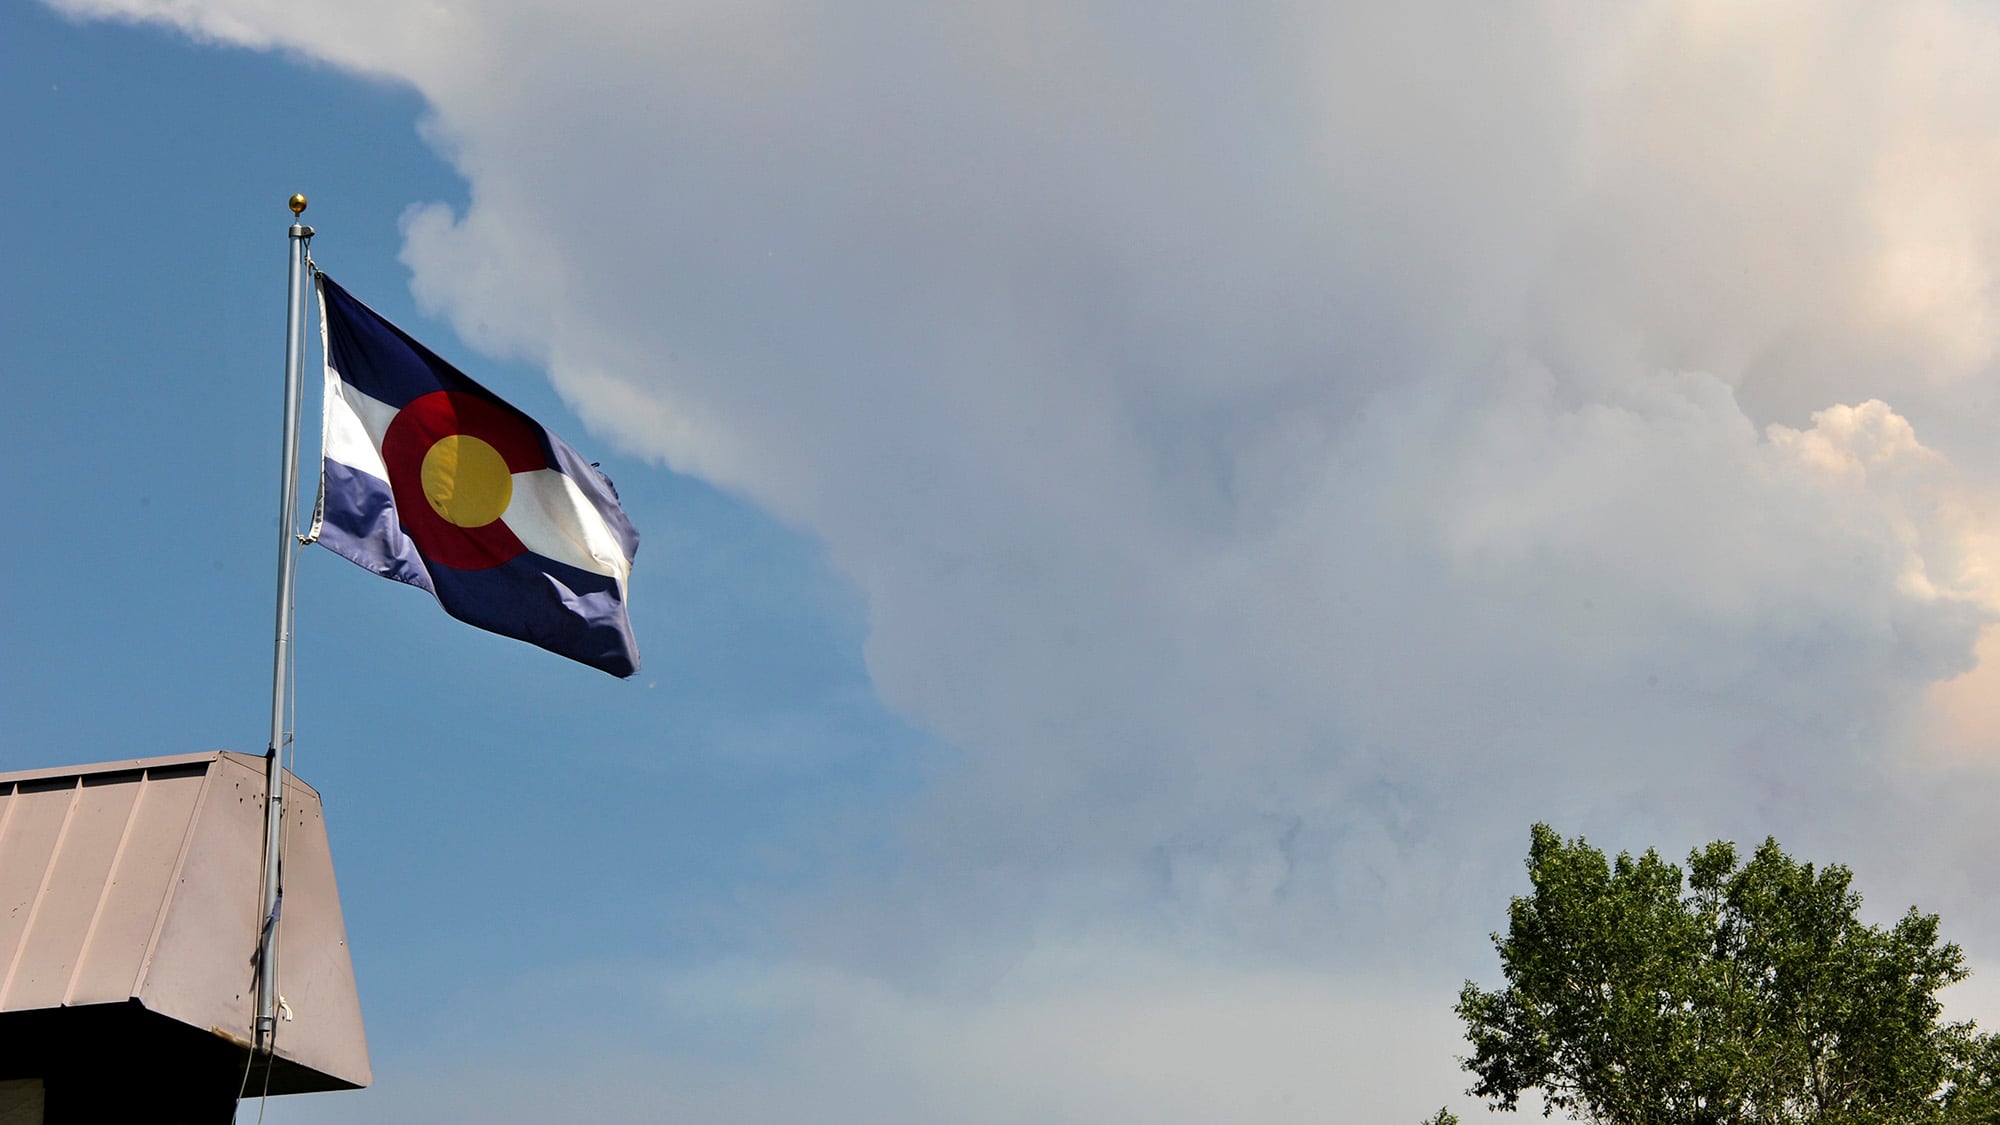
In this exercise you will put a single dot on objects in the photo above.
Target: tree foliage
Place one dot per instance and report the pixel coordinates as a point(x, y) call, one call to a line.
point(1638, 994)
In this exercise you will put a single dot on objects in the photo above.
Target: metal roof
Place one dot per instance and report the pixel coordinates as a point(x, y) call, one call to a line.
point(138, 882)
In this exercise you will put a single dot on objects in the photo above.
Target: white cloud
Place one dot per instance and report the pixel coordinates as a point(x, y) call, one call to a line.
point(1286, 449)
point(1057, 1039)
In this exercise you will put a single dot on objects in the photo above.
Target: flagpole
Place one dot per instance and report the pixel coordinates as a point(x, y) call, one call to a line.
point(288, 545)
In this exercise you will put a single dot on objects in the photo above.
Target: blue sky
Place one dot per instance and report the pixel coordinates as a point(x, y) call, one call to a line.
point(1141, 510)
point(493, 808)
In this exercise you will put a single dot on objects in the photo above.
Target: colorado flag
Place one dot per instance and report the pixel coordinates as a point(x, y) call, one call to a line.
point(431, 479)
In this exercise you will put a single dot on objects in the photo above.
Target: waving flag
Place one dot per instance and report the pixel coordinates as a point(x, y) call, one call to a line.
point(431, 479)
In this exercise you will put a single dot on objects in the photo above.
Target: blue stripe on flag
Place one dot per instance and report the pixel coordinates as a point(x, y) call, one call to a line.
point(384, 362)
point(360, 526)
point(566, 610)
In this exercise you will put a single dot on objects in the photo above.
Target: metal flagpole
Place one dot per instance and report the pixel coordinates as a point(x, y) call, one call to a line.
point(288, 545)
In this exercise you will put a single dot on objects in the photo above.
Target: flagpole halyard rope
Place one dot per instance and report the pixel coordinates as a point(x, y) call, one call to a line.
point(318, 522)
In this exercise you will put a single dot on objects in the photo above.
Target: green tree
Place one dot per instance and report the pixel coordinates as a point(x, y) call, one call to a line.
point(1641, 995)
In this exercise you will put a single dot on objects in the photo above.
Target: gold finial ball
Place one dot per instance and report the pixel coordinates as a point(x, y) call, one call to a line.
point(298, 204)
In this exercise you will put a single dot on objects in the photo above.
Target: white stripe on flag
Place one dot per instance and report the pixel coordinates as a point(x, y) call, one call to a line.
point(553, 518)
point(354, 425)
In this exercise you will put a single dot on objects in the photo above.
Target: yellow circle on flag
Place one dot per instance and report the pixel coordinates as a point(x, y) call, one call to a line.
point(466, 480)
